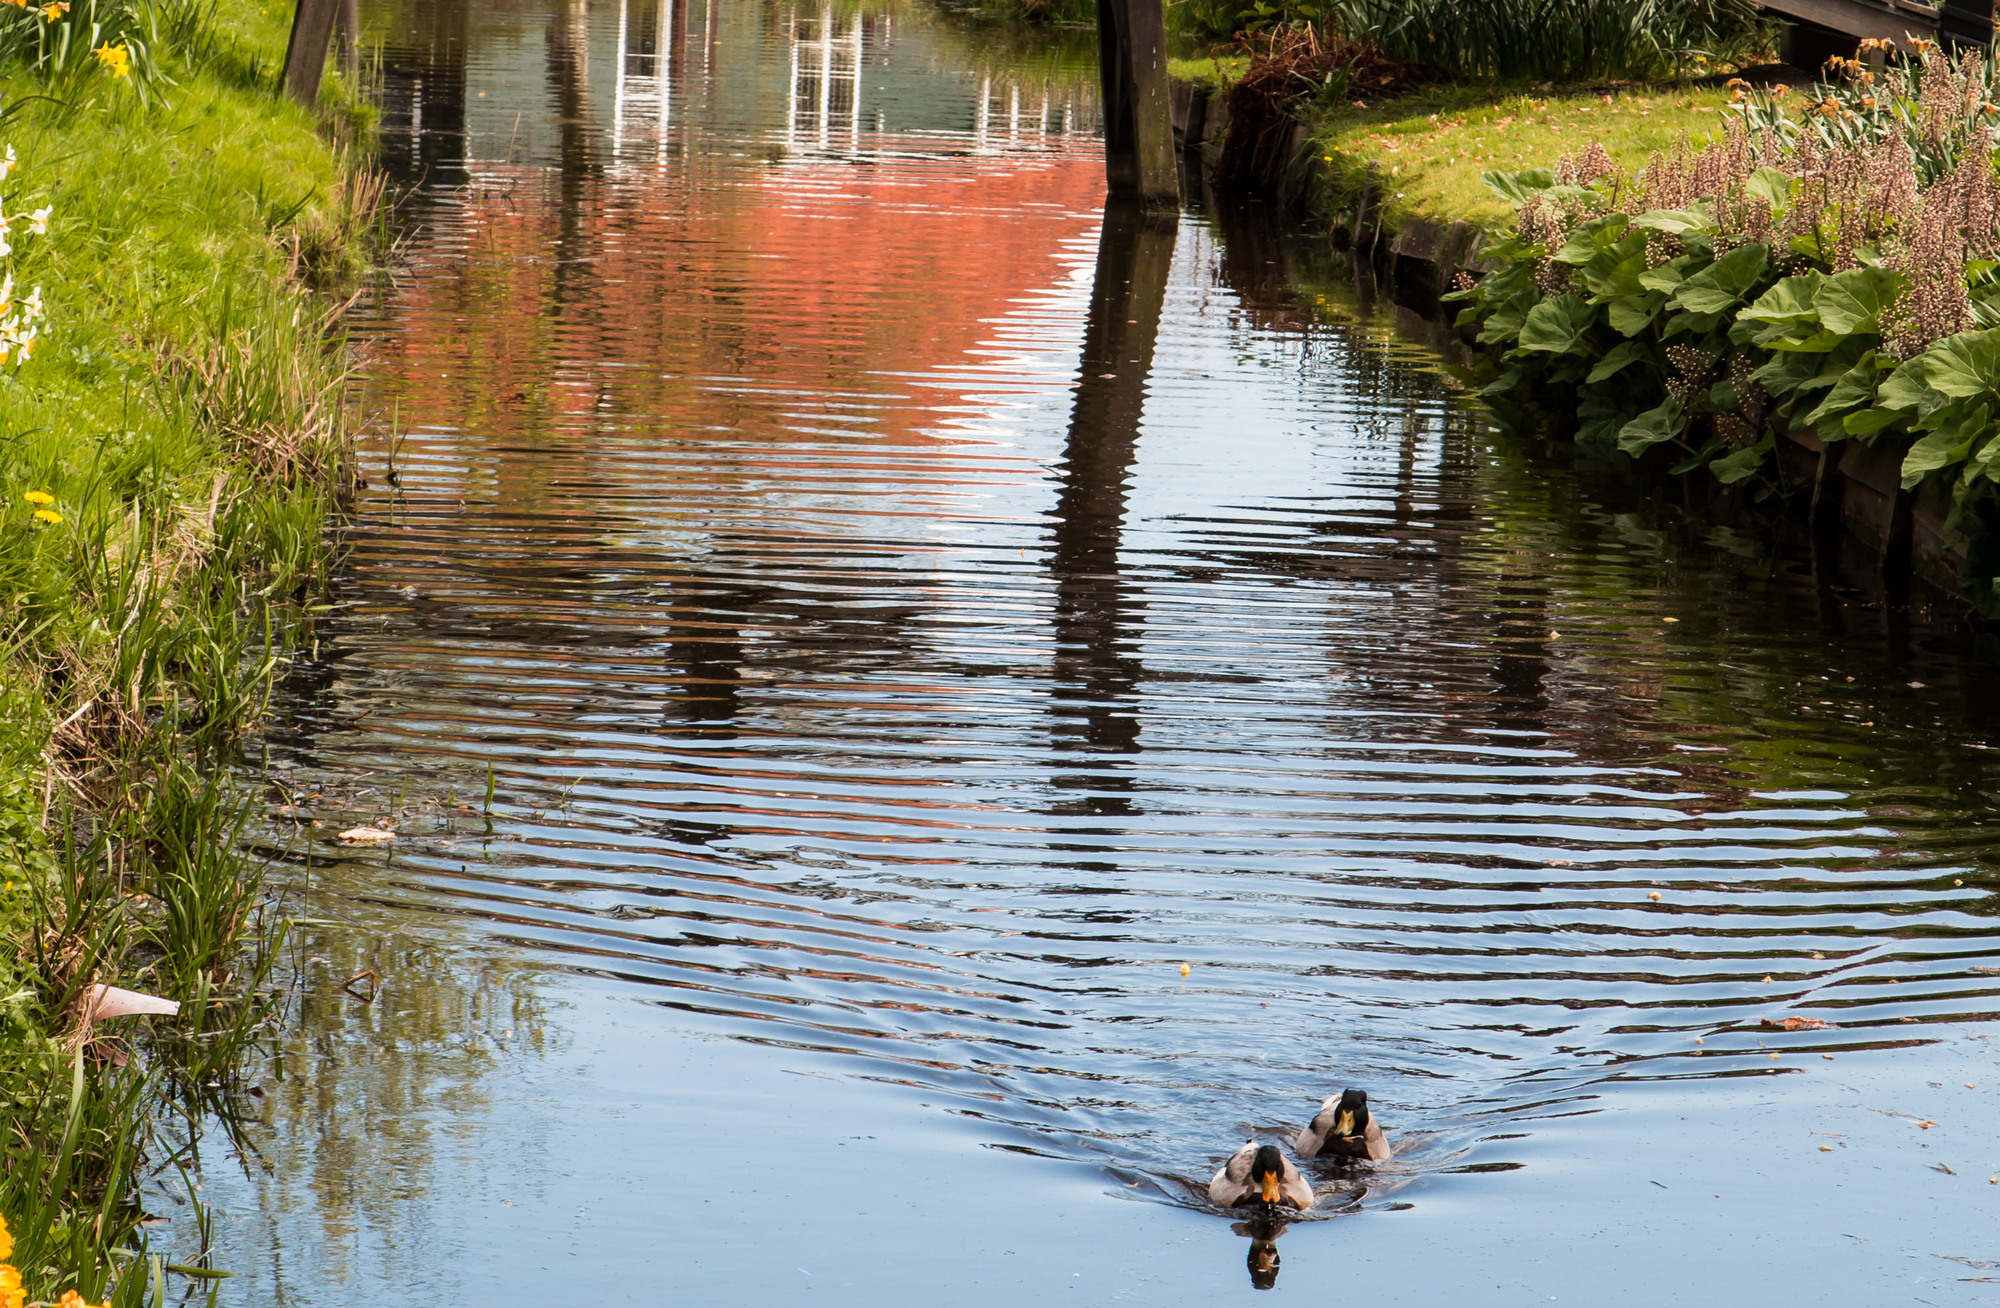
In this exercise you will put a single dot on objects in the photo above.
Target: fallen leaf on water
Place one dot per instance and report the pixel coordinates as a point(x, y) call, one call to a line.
point(1941, 1167)
point(1767, 980)
point(1826, 1149)
point(1827, 1057)
point(1925, 1125)
point(1798, 1023)
point(1184, 969)
point(366, 836)
point(1654, 896)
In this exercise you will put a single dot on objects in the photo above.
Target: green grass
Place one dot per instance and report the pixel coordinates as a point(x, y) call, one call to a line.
point(1427, 151)
point(182, 409)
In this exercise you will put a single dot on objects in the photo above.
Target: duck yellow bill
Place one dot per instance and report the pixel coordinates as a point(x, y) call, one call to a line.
point(1270, 1180)
point(1344, 1124)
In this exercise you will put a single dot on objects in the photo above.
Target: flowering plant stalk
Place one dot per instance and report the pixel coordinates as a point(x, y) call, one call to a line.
point(63, 39)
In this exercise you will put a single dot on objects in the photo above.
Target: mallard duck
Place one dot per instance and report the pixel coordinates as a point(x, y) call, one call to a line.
point(1343, 1128)
point(1259, 1174)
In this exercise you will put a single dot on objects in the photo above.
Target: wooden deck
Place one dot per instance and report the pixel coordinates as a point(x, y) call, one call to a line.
point(1892, 20)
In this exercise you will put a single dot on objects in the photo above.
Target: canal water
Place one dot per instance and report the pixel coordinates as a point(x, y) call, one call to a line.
point(919, 712)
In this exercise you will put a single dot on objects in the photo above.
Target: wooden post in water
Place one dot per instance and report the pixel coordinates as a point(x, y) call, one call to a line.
point(305, 56)
point(1138, 120)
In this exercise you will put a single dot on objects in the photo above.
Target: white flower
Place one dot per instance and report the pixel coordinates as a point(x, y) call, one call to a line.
point(8, 164)
point(34, 303)
point(38, 221)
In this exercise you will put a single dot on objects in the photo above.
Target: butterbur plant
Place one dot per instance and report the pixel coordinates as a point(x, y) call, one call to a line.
point(1834, 266)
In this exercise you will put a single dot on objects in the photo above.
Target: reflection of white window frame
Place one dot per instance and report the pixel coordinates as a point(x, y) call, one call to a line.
point(645, 98)
point(818, 66)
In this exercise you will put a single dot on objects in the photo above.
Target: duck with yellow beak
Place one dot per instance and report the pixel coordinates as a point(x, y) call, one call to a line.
point(1343, 1128)
point(1259, 1174)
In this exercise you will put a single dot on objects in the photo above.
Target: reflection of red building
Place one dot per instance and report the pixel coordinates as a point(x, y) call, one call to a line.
point(695, 299)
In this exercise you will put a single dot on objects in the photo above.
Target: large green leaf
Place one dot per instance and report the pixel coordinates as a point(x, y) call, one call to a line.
point(1773, 186)
point(1674, 221)
point(1867, 422)
point(1945, 447)
point(1789, 300)
point(1851, 302)
point(1723, 284)
point(1963, 365)
point(1600, 412)
point(1613, 273)
point(1557, 325)
point(1504, 323)
point(1516, 188)
point(1653, 426)
point(1669, 275)
point(1732, 468)
point(1630, 315)
point(1619, 357)
point(1854, 388)
point(1588, 240)
point(1785, 373)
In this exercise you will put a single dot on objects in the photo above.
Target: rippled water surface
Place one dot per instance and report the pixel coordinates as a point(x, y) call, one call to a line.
point(916, 708)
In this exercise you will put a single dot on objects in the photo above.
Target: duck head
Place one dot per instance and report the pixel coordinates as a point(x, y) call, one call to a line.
point(1267, 1169)
point(1351, 1117)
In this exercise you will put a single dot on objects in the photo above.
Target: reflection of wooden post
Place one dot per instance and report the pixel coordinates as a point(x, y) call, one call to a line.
point(305, 56)
point(1097, 668)
point(347, 36)
point(1138, 118)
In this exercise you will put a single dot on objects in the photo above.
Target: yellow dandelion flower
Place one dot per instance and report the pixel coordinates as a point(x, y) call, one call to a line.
point(49, 516)
point(36, 497)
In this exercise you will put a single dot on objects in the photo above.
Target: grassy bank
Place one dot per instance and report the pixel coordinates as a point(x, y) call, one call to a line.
point(171, 445)
point(1426, 152)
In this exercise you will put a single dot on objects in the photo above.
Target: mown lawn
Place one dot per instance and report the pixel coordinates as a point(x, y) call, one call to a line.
point(1429, 149)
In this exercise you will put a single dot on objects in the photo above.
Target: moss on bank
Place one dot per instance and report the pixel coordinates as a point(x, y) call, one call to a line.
point(169, 455)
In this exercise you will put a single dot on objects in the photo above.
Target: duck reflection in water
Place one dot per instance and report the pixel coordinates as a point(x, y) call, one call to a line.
point(1264, 1259)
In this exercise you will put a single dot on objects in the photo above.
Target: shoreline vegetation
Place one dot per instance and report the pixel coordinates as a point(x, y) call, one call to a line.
point(1872, 178)
point(173, 446)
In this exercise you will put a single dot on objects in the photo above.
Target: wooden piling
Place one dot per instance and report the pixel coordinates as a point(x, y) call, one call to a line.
point(305, 55)
point(1139, 160)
